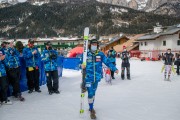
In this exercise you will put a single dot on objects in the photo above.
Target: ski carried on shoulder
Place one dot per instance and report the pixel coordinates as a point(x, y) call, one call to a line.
point(85, 49)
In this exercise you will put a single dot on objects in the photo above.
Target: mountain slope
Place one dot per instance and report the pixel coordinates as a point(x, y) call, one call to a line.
point(25, 20)
point(169, 8)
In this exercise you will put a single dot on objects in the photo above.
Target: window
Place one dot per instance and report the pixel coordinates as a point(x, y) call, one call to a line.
point(71, 43)
point(164, 43)
point(141, 43)
point(178, 42)
point(145, 43)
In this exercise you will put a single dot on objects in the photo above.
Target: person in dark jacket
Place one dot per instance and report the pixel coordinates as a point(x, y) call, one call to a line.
point(112, 58)
point(49, 56)
point(125, 63)
point(168, 58)
point(32, 57)
point(178, 63)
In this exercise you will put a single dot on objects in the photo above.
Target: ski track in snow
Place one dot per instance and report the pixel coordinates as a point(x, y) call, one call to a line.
point(145, 97)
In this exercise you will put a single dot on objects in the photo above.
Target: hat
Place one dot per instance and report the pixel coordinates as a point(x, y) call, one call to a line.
point(93, 41)
point(4, 43)
point(31, 41)
point(48, 43)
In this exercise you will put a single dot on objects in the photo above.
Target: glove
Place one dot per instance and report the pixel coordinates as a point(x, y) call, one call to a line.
point(53, 56)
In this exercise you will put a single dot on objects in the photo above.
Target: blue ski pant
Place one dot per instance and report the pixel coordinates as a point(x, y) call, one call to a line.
point(91, 94)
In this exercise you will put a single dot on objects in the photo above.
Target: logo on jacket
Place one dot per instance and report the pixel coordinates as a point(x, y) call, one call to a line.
point(98, 58)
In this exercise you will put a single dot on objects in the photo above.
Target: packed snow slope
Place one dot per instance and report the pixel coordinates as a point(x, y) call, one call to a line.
point(146, 97)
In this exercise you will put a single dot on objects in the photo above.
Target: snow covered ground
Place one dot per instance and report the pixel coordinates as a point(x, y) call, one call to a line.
point(145, 97)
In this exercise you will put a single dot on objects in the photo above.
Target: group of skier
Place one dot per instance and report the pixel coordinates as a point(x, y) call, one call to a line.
point(10, 69)
point(93, 69)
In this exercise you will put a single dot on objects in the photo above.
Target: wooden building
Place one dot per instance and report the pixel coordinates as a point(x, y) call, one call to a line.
point(105, 45)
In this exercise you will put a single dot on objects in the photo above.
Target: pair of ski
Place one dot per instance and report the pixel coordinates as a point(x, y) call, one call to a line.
point(173, 70)
point(85, 49)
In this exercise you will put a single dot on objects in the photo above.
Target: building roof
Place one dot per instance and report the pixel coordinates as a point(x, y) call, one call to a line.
point(129, 44)
point(149, 37)
point(169, 31)
point(114, 39)
point(58, 39)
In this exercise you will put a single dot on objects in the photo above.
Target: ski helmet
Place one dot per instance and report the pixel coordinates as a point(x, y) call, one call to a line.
point(94, 41)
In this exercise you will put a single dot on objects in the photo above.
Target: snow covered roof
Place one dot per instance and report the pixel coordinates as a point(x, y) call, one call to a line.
point(58, 39)
point(169, 31)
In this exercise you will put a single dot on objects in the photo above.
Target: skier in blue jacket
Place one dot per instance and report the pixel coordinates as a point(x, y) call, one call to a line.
point(3, 80)
point(112, 57)
point(13, 70)
point(93, 68)
point(4, 47)
point(49, 56)
point(32, 57)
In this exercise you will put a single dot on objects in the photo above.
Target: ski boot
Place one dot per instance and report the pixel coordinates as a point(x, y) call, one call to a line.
point(7, 102)
point(164, 77)
point(169, 80)
point(92, 111)
point(38, 90)
point(51, 92)
point(30, 91)
point(19, 97)
point(128, 78)
point(92, 114)
point(56, 91)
